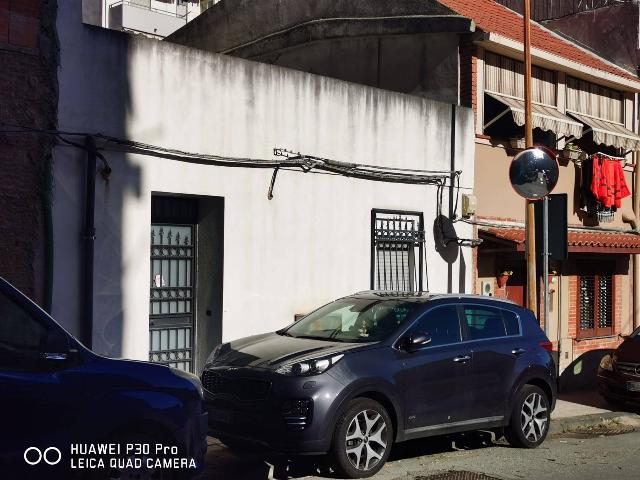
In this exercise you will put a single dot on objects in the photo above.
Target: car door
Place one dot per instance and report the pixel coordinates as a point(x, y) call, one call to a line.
point(35, 407)
point(434, 377)
point(493, 336)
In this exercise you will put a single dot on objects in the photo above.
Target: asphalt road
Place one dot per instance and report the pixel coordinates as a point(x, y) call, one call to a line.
point(566, 458)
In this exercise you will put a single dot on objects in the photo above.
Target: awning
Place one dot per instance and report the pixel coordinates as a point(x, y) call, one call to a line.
point(609, 133)
point(544, 117)
point(579, 239)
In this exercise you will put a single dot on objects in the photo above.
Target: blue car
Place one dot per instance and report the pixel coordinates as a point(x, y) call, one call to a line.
point(68, 412)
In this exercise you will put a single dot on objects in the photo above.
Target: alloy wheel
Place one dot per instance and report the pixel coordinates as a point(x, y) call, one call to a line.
point(533, 417)
point(366, 440)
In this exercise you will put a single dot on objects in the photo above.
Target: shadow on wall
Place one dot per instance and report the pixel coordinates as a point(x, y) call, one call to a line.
point(446, 244)
point(582, 373)
point(95, 97)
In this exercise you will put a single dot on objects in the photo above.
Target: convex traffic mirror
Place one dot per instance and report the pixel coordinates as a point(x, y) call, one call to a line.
point(534, 173)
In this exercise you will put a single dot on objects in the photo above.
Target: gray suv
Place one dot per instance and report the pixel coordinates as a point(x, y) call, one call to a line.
point(376, 368)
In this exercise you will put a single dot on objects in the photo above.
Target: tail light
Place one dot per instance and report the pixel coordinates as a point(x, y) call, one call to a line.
point(547, 345)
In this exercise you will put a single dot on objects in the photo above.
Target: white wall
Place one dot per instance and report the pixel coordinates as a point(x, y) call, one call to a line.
point(308, 245)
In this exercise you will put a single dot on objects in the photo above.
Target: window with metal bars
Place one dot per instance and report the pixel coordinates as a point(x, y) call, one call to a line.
point(596, 305)
point(397, 250)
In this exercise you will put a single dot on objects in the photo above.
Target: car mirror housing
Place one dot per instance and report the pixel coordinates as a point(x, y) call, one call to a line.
point(416, 340)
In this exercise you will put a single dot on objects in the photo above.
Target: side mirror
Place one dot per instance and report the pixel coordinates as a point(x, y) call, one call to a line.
point(55, 346)
point(416, 340)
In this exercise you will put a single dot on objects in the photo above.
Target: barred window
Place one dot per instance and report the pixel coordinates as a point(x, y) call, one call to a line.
point(397, 250)
point(596, 305)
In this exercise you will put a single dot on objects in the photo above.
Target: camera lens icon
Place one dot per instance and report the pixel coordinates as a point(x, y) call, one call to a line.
point(50, 456)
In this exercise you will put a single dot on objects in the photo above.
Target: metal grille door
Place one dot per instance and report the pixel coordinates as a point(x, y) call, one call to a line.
point(171, 304)
point(397, 251)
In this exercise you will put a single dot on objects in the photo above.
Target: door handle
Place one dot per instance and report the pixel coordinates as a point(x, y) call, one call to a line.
point(462, 359)
point(518, 351)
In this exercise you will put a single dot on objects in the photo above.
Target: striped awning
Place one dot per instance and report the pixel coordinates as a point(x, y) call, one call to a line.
point(544, 117)
point(609, 133)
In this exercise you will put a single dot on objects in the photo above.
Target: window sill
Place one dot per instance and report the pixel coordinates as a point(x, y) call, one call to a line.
point(600, 337)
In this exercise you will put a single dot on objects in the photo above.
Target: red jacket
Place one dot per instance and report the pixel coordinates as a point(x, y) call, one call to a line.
point(608, 184)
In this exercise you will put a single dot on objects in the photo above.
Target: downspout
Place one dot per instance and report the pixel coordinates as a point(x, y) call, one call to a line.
point(634, 221)
point(47, 192)
point(636, 257)
point(86, 326)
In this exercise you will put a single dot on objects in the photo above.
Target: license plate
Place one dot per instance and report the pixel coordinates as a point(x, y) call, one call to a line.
point(633, 386)
point(220, 415)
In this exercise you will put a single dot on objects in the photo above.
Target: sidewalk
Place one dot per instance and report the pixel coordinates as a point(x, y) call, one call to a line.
point(584, 408)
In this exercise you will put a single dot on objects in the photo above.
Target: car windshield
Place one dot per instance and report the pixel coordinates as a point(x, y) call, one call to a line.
point(351, 319)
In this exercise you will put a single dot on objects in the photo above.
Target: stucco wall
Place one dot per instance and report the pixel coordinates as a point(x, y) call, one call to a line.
point(423, 65)
point(308, 245)
point(496, 198)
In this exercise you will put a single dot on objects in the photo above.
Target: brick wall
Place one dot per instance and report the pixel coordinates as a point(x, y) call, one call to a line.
point(28, 59)
point(19, 22)
point(468, 72)
point(582, 346)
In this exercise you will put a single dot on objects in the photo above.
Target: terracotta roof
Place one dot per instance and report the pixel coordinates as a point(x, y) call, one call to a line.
point(492, 17)
point(576, 238)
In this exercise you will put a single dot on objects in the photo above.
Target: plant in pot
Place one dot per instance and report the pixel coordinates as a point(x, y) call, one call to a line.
point(572, 151)
point(503, 277)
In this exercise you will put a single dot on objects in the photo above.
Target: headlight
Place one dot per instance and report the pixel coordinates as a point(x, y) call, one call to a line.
point(607, 362)
point(214, 354)
point(312, 366)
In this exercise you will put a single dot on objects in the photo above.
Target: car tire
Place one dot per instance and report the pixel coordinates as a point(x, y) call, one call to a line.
point(530, 418)
point(362, 438)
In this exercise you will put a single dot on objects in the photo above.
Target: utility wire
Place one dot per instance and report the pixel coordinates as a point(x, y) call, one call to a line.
point(288, 159)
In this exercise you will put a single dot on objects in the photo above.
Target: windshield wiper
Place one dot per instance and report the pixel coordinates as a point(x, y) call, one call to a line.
point(284, 333)
point(312, 337)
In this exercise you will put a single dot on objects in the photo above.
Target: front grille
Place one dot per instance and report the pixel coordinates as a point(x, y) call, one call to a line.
point(241, 387)
point(629, 368)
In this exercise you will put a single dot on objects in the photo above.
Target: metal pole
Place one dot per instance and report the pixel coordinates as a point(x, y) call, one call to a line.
point(530, 228)
point(545, 261)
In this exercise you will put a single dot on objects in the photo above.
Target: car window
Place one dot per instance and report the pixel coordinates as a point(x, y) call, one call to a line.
point(21, 336)
point(511, 323)
point(441, 323)
point(484, 322)
point(354, 319)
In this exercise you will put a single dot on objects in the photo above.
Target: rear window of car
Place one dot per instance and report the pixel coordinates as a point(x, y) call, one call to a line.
point(488, 322)
point(511, 322)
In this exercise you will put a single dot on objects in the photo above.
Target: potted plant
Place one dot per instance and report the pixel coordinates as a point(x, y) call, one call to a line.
point(503, 277)
point(572, 151)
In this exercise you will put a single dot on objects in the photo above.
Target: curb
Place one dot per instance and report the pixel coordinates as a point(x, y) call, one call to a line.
point(563, 425)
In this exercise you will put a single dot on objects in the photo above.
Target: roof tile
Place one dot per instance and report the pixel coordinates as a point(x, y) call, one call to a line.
point(495, 18)
point(575, 237)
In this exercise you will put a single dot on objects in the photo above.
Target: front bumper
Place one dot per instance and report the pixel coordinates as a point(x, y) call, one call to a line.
point(265, 417)
point(614, 385)
point(193, 438)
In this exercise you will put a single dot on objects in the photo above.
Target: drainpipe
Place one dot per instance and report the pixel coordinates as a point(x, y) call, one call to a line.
point(634, 222)
point(636, 257)
point(86, 326)
point(48, 233)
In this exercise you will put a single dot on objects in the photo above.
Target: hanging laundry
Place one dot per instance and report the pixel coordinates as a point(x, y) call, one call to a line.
point(608, 183)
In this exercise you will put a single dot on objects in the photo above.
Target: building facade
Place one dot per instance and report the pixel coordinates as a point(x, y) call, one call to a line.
point(470, 53)
point(151, 18)
point(29, 58)
point(189, 251)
